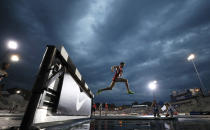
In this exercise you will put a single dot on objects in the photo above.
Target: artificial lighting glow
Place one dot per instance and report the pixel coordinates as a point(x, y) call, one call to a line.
point(18, 91)
point(12, 45)
point(191, 57)
point(153, 85)
point(14, 58)
point(197, 89)
point(155, 82)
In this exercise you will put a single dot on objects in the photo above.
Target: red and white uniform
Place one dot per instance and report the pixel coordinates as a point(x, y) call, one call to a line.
point(118, 73)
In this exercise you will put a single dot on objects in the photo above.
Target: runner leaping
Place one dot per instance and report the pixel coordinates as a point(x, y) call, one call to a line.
point(117, 78)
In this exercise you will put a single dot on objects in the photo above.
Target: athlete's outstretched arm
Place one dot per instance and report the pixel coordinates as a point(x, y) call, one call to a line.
point(113, 67)
point(121, 74)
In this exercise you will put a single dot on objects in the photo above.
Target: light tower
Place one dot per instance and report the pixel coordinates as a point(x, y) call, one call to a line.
point(191, 57)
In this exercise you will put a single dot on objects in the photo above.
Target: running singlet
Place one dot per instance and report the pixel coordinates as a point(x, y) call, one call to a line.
point(117, 73)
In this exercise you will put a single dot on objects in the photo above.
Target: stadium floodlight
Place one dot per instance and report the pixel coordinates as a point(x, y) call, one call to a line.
point(14, 58)
point(18, 91)
point(191, 57)
point(12, 45)
point(153, 85)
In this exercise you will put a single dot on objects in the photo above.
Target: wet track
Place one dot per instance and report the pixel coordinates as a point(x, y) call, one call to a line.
point(181, 123)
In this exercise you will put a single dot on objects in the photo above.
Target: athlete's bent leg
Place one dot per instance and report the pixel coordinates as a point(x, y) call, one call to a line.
point(126, 84)
point(125, 81)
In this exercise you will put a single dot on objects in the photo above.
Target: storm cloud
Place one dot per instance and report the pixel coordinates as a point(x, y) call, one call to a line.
point(153, 38)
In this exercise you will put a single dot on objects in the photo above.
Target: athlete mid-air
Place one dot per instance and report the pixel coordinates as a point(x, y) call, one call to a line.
point(117, 78)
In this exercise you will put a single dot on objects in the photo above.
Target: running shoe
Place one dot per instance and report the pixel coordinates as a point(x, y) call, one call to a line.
point(98, 92)
point(130, 92)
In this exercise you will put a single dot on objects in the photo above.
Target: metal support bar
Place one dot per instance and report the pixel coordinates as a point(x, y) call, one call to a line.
point(38, 87)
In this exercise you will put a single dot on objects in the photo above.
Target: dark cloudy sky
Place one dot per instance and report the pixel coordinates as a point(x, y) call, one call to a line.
point(153, 37)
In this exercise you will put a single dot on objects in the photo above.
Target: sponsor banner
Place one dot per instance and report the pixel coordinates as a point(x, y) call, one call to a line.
point(73, 100)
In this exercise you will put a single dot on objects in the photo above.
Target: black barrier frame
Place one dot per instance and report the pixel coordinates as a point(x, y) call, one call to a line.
point(40, 85)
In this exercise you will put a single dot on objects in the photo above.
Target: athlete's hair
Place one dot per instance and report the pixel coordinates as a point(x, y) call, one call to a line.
point(122, 63)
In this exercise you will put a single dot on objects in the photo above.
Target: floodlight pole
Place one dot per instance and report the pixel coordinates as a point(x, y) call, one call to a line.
point(153, 93)
point(203, 88)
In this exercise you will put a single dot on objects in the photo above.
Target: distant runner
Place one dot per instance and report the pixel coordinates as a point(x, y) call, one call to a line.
point(117, 78)
point(169, 110)
point(94, 108)
point(155, 107)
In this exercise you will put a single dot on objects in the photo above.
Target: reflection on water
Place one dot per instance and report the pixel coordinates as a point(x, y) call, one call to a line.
point(144, 125)
point(180, 124)
point(85, 126)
